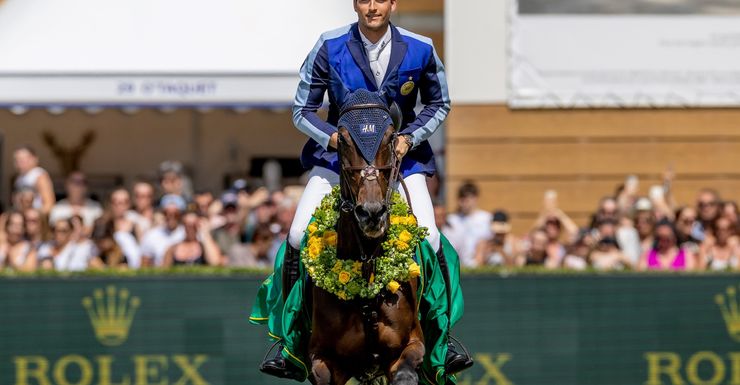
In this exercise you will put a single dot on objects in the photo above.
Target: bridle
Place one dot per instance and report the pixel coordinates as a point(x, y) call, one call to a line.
point(368, 172)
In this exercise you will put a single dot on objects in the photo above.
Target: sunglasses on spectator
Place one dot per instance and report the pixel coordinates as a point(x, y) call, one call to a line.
point(62, 230)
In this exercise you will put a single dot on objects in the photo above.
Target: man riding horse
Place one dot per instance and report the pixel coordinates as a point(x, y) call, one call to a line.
point(375, 55)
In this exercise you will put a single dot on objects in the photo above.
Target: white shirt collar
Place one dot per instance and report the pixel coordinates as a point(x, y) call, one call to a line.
point(383, 40)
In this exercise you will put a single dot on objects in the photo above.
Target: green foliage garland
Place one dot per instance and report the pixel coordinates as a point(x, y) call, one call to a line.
point(343, 278)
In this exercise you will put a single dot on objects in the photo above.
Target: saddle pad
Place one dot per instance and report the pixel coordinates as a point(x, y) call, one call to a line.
point(366, 125)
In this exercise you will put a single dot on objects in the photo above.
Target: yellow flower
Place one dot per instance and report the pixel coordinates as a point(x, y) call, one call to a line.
point(411, 220)
point(397, 220)
point(314, 249)
point(357, 267)
point(330, 238)
point(337, 267)
point(315, 241)
point(312, 228)
point(344, 277)
point(372, 277)
point(393, 286)
point(405, 236)
point(414, 270)
point(402, 246)
point(342, 295)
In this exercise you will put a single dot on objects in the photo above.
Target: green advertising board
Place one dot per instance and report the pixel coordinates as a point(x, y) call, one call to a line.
point(526, 329)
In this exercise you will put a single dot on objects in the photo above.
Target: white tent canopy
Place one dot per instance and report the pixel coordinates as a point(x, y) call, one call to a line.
point(158, 53)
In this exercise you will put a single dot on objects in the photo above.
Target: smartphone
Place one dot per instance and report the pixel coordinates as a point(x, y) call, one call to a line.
point(551, 199)
point(631, 183)
point(657, 193)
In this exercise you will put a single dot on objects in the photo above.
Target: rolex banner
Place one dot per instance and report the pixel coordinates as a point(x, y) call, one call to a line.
point(527, 329)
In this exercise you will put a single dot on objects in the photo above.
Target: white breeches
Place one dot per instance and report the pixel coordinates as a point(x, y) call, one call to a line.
point(322, 180)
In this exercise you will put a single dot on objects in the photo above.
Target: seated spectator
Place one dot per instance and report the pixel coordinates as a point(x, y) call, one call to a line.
point(440, 216)
point(284, 217)
point(173, 181)
point(77, 203)
point(626, 235)
point(644, 219)
point(608, 209)
point(685, 222)
point(229, 235)
point(144, 208)
point(23, 199)
point(501, 249)
point(158, 240)
point(16, 252)
point(114, 233)
point(468, 225)
point(552, 221)
point(69, 249)
point(607, 255)
point(264, 213)
point(37, 227)
point(198, 247)
point(721, 250)
point(730, 211)
point(578, 253)
point(203, 201)
point(256, 254)
point(665, 253)
point(708, 206)
point(539, 253)
point(33, 178)
point(107, 252)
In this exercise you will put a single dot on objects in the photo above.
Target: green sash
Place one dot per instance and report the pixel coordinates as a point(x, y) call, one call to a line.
point(290, 322)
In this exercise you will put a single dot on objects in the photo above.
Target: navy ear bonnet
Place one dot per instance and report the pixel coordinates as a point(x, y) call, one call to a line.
point(366, 116)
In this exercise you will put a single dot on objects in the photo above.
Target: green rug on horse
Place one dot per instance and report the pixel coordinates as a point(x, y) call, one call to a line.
point(289, 322)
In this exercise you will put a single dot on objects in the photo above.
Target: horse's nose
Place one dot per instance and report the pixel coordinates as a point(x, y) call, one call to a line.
point(370, 212)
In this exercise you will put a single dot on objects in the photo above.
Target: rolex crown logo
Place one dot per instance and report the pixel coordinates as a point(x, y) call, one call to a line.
point(111, 313)
point(730, 311)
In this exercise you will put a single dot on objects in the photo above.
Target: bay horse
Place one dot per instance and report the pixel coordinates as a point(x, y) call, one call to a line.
point(364, 338)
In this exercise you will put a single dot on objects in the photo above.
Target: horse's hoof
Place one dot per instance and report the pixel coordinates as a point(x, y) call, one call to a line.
point(405, 377)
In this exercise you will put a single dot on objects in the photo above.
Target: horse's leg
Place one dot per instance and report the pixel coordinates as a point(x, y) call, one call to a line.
point(320, 371)
point(323, 374)
point(403, 370)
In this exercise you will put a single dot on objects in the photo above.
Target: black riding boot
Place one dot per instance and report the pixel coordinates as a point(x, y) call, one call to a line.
point(455, 362)
point(278, 366)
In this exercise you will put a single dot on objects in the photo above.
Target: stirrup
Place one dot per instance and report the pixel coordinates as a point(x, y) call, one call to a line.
point(457, 362)
point(279, 367)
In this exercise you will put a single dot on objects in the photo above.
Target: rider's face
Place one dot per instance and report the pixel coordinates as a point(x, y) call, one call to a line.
point(374, 14)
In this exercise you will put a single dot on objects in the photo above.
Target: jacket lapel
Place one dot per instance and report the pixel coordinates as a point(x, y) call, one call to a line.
point(398, 53)
point(357, 49)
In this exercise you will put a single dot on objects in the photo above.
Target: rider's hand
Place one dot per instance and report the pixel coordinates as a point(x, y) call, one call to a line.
point(334, 140)
point(402, 145)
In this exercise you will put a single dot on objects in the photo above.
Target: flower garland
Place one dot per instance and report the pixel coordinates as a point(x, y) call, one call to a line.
point(343, 278)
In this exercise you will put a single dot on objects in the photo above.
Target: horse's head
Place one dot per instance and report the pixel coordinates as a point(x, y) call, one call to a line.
point(368, 163)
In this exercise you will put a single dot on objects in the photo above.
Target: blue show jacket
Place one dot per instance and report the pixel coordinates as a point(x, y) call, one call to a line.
point(339, 64)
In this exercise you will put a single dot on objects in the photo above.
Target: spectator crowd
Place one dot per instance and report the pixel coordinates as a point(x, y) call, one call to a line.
point(626, 232)
point(149, 225)
point(167, 223)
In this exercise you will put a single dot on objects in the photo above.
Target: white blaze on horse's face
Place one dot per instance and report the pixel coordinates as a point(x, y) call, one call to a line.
point(369, 184)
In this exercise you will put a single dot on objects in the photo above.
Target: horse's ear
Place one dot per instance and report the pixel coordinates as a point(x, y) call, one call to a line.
point(396, 116)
